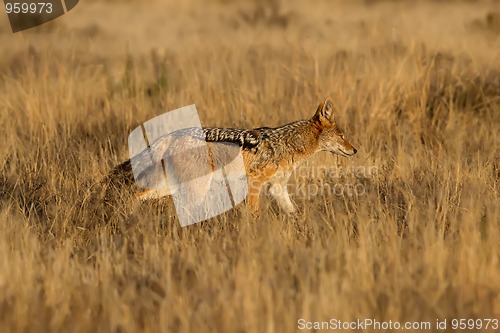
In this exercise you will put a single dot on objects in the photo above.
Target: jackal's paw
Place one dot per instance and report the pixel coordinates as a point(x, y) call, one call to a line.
point(251, 214)
point(290, 209)
point(294, 216)
point(297, 214)
point(255, 215)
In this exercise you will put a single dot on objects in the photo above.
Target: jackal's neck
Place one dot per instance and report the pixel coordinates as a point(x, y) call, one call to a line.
point(299, 139)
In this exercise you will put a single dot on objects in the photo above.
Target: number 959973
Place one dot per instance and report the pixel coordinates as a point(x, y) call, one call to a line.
point(28, 8)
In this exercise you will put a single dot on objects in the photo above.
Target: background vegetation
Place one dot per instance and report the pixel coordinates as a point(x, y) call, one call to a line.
point(417, 87)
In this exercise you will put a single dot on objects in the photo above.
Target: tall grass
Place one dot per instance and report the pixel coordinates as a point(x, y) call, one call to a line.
point(420, 243)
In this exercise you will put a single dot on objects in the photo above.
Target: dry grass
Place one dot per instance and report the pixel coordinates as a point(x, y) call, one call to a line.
point(417, 90)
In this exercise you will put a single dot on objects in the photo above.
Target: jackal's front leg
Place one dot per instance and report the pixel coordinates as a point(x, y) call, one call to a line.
point(279, 192)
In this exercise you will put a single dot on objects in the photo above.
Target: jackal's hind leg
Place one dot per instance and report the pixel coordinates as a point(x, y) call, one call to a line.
point(254, 188)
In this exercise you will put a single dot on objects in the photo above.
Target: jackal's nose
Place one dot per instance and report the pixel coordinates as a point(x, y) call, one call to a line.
point(355, 150)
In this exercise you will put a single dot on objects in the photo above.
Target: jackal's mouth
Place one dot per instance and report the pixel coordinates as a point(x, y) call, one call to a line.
point(343, 153)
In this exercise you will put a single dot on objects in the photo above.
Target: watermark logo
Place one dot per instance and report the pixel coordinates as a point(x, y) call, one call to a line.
point(169, 156)
point(26, 14)
point(328, 181)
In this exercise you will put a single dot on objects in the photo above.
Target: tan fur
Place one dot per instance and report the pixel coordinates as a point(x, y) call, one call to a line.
point(269, 155)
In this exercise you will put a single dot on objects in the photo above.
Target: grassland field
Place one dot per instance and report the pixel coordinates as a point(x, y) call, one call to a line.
point(417, 90)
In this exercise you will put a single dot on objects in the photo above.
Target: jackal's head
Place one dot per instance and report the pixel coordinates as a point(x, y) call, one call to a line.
point(331, 138)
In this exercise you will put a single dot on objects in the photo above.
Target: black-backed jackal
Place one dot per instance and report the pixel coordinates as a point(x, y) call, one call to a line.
point(269, 154)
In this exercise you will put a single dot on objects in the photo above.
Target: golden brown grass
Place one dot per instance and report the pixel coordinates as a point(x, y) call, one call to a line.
point(417, 90)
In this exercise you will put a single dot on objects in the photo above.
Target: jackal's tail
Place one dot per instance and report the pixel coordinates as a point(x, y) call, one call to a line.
point(111, 196)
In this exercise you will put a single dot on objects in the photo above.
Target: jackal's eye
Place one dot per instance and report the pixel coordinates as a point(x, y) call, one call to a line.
point(342, 136)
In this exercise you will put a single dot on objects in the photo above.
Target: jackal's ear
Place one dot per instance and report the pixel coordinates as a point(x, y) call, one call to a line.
point(324, 113)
